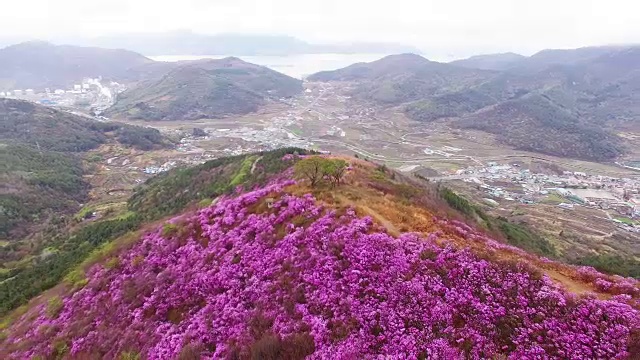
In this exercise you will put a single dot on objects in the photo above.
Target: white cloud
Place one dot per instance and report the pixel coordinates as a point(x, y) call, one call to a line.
point(458, 26)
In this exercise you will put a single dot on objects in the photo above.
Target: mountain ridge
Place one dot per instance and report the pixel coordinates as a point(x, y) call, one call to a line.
point(205, 89)
point(501, 61)
point(398, 79)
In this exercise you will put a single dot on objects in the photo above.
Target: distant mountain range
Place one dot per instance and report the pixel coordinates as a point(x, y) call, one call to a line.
point(490, 62)
point(561, 102)
point(205, 89)
point(189, 43)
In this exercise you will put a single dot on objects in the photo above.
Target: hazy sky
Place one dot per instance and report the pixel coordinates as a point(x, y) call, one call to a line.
point(453, 26)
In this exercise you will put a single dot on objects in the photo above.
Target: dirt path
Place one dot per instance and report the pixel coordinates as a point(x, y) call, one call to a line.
point(253, 167)
point(391, 229)
point(381, 219)
point(571, 285)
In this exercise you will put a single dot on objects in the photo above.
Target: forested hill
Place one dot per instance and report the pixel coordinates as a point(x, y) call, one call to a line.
point(41, 171)
point(23, 122)
point(156, 90)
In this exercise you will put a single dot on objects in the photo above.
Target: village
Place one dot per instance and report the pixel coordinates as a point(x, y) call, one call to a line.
point(617, 198)
point(93, 95)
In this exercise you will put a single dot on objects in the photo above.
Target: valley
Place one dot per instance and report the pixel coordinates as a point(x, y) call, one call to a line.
point(327, 117)
point(520, 186)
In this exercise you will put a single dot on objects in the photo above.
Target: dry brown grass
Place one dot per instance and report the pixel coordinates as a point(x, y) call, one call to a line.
point(383, 201)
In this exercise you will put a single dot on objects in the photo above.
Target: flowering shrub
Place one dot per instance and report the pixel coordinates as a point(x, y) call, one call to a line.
point(603, 285)
point(242, 279)
point(288, 157)
point(587, 273)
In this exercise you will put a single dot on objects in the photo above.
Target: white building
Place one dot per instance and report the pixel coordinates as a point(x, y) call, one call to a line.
point(17, 92)
point(59, 92)
point(563, 192)
point(29, 92)
point(2, 94)
point(566, 206)
point(491, 202)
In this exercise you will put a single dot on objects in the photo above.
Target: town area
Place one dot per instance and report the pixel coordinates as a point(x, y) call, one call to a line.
point(617, 198)
point(90, 96)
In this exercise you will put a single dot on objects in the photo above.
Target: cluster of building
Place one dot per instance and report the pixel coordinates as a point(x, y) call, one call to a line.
point(513, 183)
point(158, 169)
point(336, 131)
point(88, 93)
point(273, 136)
point(17, 93)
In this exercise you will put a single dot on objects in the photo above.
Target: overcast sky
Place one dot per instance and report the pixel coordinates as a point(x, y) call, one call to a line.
point(454, 26)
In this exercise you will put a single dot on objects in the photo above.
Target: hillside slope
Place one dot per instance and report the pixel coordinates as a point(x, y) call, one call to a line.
point(535, 123)
point(166, 194)
point(39, 65)
point(41, 171)
point(205, 89)
point(355, 270)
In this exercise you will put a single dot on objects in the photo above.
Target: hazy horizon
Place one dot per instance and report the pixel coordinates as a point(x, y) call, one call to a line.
point(458, 28)
point(431, 54)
